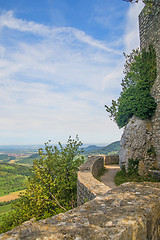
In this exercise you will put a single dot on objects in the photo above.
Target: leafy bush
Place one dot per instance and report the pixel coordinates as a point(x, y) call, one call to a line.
point(132, 174)
point(135, 98)
point(52, 186)
point(151, 151)
point(121, 177)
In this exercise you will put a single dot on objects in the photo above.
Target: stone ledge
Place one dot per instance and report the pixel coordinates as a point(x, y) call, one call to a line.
point(87, 186)
point(128, 212)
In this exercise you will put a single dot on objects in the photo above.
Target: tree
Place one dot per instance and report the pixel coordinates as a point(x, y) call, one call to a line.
point(135, 98)
point(148, 4)
point(52, 186)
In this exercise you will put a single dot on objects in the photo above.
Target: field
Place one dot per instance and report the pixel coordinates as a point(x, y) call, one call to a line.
point(12, 182)
point(27, 161)
point(5, 208)
point(12, 178)
point(15, 163)
point(10, 197)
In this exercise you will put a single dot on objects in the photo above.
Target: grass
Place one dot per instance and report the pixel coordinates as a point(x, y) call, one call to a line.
point(5, 208)
point(122, 177)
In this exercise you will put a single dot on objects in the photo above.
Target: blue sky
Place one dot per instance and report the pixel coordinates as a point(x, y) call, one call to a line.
point(61, 61)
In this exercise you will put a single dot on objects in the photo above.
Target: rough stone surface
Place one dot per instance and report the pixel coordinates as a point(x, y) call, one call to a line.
point(136, 141)
point(128, 212)
point(155, 173)
point(87, 186)
point(140, 135)
point(111, 159)
point(149, 26)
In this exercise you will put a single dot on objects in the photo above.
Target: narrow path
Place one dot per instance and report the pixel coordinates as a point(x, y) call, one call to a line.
point(108, 177)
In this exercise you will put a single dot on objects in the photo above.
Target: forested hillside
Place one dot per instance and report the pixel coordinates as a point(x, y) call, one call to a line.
point(28, 160)
point(6, 158)
point(12, 178)
point(111, 149)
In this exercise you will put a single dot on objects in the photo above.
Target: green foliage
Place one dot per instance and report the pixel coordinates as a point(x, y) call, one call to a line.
point(148, 4)
point(28, 160)
point(52, 186)
point(6, 202)
point(5, 208)
point(12, 178)
point(151, 151)
point(135, 98)
point(133, 166)
point(6, 158)
point(15, 169)
point(132, 175)
point(108, 150)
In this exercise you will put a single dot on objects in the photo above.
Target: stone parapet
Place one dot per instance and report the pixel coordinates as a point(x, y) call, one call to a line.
point(87, 186)
point(111, 159)
point(128, 212)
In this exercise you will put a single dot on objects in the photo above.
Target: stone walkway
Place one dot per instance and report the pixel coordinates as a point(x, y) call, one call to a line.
point(108, 177)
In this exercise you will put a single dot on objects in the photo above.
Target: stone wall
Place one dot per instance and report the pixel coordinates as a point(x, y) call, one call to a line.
point(111, 159)
point(139, 136)
point(128, 212)
point(87, 186)
point(149, 28)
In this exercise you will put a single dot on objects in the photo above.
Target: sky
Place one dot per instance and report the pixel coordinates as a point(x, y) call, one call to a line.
point(61, 61)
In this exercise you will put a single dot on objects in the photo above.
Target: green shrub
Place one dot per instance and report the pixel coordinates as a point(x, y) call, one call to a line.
point(132, 174)
point(51, 187)
point(151, 151)
point(133, 166)
point(135, 98)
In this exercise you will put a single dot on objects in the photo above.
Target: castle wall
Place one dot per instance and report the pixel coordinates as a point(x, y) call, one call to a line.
point(111, 159)
point(139, 136)
point(149, 28)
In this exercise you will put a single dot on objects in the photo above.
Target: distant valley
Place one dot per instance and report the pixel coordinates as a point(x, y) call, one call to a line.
point(110, 149)
point(15, 163)
point(25, 155)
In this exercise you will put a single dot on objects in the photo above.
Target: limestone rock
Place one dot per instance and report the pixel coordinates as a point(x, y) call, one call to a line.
point(135, 141)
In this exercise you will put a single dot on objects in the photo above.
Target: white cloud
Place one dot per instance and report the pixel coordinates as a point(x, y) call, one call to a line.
point(8, 20)
point(131, 37)
point(57, 84)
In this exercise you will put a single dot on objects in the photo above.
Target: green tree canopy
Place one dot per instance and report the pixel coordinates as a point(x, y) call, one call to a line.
point(148, 4)
point(135, 98)
point(52, 186)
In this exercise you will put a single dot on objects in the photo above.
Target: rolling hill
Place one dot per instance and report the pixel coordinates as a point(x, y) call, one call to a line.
point(111, 149)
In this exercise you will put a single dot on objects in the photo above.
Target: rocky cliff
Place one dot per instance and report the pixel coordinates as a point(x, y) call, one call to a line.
point(141, 139)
